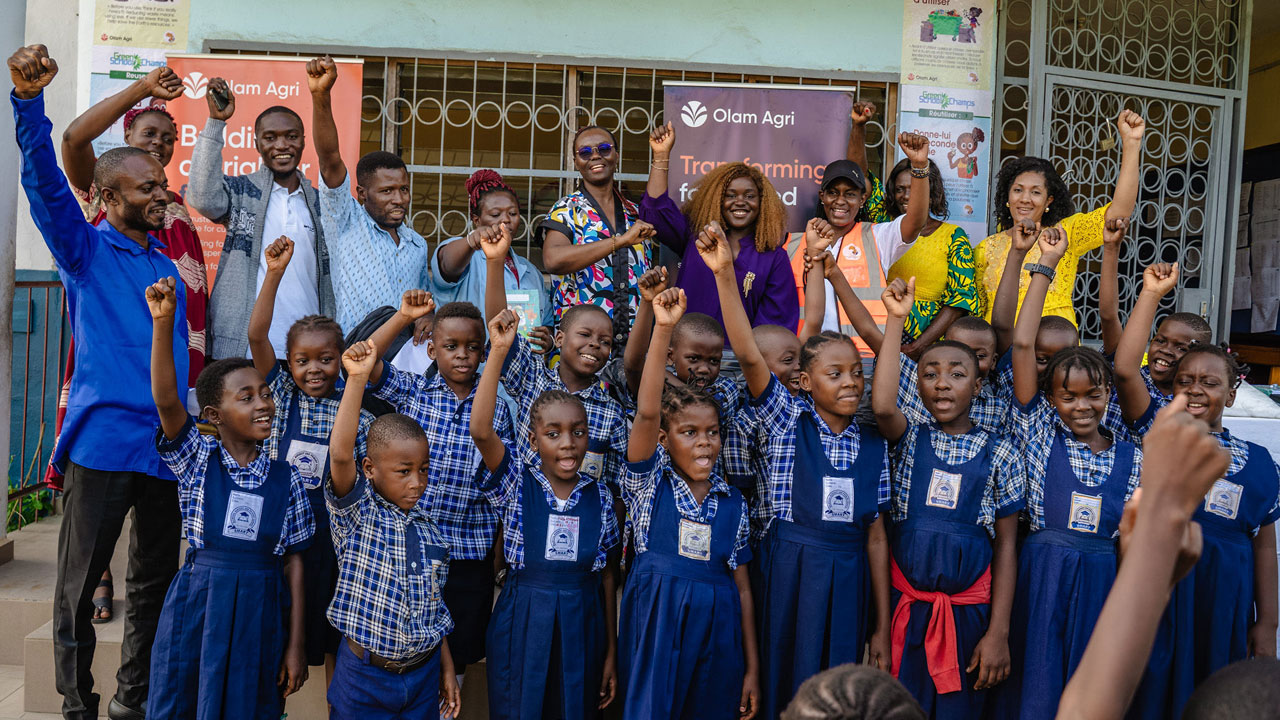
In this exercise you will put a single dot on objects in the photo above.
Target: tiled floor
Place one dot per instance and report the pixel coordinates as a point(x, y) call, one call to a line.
point(11, 696)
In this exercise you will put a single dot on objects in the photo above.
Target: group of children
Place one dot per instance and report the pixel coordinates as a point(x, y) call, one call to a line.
point(961, 535)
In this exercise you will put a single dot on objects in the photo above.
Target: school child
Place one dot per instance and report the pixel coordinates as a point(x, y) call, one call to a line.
point(552, 642)
point(442, 405)
point(780, 349)
point(392, 565)
point(824, 561)
point(1079, 476)
point(1138, 385)
point(222, 640)
point(306, 403)
point(688, 634)
point(584, 339)
point(1225, 610)
point(956, 487)
point(1055, 333)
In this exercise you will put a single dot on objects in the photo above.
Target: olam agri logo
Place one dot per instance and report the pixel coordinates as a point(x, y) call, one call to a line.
point(195, 85)
point(694, 114)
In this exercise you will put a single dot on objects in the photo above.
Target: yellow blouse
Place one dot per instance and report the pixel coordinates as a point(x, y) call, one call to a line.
point(942, 264)
point(1084, 233)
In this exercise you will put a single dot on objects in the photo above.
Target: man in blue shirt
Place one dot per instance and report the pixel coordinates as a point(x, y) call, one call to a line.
point(376, 255)
point(107, 448)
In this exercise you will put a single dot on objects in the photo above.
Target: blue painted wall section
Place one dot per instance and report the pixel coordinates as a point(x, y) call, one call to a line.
point(41, 335)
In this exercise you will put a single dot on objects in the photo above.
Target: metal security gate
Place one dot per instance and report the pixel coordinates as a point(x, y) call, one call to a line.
point(1070, 66)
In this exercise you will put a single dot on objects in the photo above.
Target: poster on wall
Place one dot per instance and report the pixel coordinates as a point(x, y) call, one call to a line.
point(787, 133)
point(258, 83)
point(130, 39)
point(949, 43)
point(960, 145)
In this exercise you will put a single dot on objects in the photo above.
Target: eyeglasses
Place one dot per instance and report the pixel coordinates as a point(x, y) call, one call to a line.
point(586, 151)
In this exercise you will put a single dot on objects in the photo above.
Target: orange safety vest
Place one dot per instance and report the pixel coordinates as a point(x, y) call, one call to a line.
point(859, 261)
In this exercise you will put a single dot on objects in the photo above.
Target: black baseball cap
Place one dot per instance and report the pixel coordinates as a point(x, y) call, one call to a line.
point(844, 170)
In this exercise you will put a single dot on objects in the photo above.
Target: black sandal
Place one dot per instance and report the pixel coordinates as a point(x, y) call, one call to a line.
point(105, 603)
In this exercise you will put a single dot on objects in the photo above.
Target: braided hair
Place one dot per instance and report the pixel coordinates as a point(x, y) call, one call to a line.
point(483, 183)
point(1236, 369)
point(678, 398)
point(1077, 357)
point(809, 351)
point(133, 114)
point(549, 398)
point(317, 324)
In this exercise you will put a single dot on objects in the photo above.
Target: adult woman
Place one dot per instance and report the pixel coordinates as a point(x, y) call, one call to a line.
point(149, 128)
point(1031, 190)
point(941, 261)
point(845, 189)
point(459, 272)
point(593, 240)
point(744, 203)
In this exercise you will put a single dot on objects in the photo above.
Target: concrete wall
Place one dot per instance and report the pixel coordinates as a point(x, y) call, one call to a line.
point(1262, 112)
point(859, 35)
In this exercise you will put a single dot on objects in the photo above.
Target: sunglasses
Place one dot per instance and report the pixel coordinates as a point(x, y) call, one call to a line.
point(586, 151)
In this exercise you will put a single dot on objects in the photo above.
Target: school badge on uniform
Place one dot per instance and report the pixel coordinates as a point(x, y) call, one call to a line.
point(944, 490)
point(244, 513)
point(308, 459)
point(837, 499)
point(593, 465)
point(562, 538)
point(1086, 512)
point(1224, 499)
point(695, 540)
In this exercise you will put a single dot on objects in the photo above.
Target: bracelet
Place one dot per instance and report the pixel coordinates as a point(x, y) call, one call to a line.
point(656, 166)
point(1044, 270)
point(919, 172)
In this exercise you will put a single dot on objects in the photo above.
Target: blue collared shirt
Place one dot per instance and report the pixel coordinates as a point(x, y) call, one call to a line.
point(467, 522)
point(188, 456)
point(111, 418)
point(779, 412)
point(504, 488)
point(470, 286)
point(526, 376)
point(1034, 425)
point(1006, 486)
point(370, 269)
point(388, 595)
point(639, 490)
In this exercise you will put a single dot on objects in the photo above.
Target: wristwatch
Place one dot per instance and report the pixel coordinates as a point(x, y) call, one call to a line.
point(1044, 270)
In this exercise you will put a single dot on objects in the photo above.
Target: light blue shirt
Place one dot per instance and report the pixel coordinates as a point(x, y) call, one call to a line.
point(369, 268)
point(470, 287)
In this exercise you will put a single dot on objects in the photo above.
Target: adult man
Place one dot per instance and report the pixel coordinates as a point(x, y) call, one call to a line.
point(107, 447)
point(377, 257)
point(272, 201)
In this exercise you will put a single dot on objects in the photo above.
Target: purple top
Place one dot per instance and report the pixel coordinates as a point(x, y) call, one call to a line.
point(765, 281)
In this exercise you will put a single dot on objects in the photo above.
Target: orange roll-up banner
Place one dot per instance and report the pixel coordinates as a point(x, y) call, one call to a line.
point(258, 83)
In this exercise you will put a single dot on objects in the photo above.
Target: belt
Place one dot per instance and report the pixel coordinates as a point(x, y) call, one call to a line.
point(398, 667)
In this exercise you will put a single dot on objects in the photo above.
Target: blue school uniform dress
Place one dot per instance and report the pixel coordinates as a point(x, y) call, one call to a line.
point(547, 638)
point(223, 629)
point(814, 588)
point(388, 605)
point(300, 436)
point(948, 491)
point(680, 646)
point(989, 409)
point(526, 376)
point(1112, 419)
point(1067, 564)
point(1206, 625)
point(453, 500)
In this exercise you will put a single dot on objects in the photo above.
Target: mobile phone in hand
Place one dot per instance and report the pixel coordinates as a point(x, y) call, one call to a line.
point(220, 97)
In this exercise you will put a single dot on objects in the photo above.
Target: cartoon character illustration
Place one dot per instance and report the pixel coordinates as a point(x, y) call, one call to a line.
point(966, 165)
